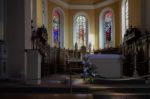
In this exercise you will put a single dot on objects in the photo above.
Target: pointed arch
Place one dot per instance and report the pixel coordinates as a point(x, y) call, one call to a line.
point(58, 35)
point(107, 28)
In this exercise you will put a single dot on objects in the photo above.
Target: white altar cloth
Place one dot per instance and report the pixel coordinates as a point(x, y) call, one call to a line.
point(107, 65)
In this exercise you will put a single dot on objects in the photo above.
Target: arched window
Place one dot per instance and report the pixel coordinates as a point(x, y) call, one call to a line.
point(81, 30)
point(58, 28)
point(125, 17)
point(107, 29)
point(107, 36)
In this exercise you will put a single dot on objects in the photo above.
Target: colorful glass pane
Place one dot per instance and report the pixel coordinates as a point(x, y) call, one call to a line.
point(125, 18)
point(81, 30)
point(56, 28)
point(108, 28)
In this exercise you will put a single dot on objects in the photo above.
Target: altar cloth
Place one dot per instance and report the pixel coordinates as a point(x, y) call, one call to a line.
point(107, 65)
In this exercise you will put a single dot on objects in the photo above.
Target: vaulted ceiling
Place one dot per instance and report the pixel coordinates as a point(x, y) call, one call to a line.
point(83, 2)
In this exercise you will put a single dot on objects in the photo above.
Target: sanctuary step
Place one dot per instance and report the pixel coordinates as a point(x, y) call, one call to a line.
point(118, 81)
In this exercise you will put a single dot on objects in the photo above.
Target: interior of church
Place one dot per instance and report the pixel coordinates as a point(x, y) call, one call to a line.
point(86, 49)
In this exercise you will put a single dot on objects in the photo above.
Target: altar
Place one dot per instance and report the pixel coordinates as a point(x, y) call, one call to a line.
point(106, 65)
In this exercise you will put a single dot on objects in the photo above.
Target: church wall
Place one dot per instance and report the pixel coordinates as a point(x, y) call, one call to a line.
point(145, 15)
point(139, 14)
point(51, 6)
point(94, 23)
point(135, 13)
point(93, 16)
point(134, 19)
point(39, 13)
point(117, 11)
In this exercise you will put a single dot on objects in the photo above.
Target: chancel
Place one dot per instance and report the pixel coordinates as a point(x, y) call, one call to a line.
point(75, 47)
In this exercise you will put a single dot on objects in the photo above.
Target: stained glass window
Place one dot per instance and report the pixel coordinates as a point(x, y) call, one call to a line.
point(108, 29)
point(125, 17)
point(81, 30)
point(56, 28)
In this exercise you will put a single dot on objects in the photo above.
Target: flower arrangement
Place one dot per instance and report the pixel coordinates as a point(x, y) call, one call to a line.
point(88, 70)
